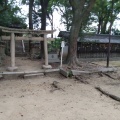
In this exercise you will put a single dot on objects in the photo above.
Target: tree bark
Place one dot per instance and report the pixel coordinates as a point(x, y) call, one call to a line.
point(72, 52)
point(44, 5)
point(103, 27)
point(80, 13)
point(99, 25)
point(30, 20)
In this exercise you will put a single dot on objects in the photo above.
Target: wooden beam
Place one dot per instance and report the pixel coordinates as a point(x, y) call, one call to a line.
point(27, 38)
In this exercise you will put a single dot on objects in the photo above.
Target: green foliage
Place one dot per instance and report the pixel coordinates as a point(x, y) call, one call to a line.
point(10, 16)
point(105, 13)
point(55, 45)
point(66, 15)
point(116, 31)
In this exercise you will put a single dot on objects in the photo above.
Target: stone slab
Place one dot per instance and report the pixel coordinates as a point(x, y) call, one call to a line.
point(107, 69)
point(30, 75)
point(52, 70)
point(104, 70)
point(64, 72)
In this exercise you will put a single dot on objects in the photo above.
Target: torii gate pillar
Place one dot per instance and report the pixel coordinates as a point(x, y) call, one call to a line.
point(46, 66)
point(12, 51)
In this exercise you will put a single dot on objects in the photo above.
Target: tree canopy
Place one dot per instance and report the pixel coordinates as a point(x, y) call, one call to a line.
point(102, 14)
point(9, 14)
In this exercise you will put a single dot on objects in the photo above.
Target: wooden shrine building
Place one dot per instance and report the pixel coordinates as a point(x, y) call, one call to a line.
point(95, 45)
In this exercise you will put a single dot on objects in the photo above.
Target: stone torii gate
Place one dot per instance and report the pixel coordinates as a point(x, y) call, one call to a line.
point(29, 32)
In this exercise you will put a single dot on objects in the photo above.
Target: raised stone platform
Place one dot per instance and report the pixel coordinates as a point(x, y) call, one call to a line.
point(12, 69)
point(47, 66)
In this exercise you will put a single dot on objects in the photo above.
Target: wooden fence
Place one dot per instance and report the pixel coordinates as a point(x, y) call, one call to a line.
point(97, 50)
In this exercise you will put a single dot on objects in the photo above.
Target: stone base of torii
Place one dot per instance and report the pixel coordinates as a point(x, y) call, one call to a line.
point(13, 38)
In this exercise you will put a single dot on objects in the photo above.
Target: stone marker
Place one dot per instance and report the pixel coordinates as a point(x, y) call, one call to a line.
point(53, 58)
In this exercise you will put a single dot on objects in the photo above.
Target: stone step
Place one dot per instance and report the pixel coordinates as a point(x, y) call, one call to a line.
point(35, 74)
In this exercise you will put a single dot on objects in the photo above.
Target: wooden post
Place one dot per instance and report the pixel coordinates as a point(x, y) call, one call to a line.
point(46, 53)
point(62, 46)
point(45, 50)
point(12, 51)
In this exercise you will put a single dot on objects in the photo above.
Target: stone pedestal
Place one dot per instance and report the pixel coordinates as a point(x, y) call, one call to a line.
point(11, 69)
point(47, 66)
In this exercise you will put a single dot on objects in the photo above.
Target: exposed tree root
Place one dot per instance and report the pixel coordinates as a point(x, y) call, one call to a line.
point(55, 86)
point(109, 76)
point(74, 63)
point(108, 94)
point(80, 79)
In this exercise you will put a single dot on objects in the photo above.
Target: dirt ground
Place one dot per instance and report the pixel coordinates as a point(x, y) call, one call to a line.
point(35, 98)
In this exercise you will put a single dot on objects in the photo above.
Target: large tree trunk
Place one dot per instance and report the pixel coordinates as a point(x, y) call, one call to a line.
point(80, 13)
point(74, 33)
point(44, 5)
point(103, 27)
point(30, 20)
point(98, 32)
point(99, 25)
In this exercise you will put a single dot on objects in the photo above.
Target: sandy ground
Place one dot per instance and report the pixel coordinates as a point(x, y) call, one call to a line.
point(35, 99)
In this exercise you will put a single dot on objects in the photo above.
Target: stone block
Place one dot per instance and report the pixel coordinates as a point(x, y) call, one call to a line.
point(64, 72)
point(36, 74)
point(53, 58)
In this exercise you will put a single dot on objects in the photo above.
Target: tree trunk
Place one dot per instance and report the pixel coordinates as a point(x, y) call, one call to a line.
point(30, 20)
point(52, 25)
point(111, 24)
point(104, 25)
point(74, 33)
point(99, 25)
point(44, 5)
point(80, 13)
